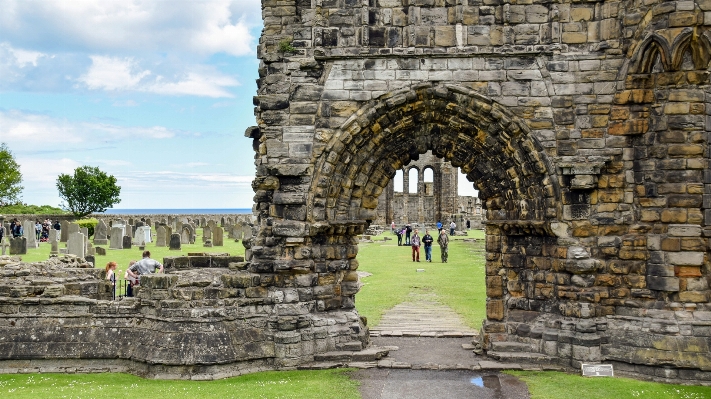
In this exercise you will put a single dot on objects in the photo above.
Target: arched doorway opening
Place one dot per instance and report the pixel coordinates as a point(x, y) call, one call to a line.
point(498, 154)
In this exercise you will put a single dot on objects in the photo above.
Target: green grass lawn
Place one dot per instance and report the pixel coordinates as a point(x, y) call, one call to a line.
point(459, 283)
point(555, 385)
point(322, 384)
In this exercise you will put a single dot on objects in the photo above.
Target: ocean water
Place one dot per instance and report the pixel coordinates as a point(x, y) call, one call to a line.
point(231, 211)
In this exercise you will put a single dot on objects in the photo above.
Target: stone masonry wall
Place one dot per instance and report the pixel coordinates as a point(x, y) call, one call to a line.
point(583, 124)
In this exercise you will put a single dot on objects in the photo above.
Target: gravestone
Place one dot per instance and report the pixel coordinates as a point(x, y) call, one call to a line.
point(217, 237)
point(28, 228)
point(100, 233)
point(100, 251)
point(120, 226)
point(53, 235)
point(160, 236)
point(64, 232)
point(130, 221)
point(54, 250)
point(126, 242)
point(175, 241)
point(208, 243)
point(168, 233)
point(185, 236)
point(90, 250)
point(142, 235)
point(212, 224)
point(90, 259)
point(4, 244)
point(75, 245)
point(148, 222)
point(18, 246)
point(85, 231)
point(206, 233)
point(116, 238)
point(72, 228)
point(222, 221)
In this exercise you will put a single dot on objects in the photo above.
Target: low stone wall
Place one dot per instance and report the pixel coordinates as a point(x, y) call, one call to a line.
point(200, 320)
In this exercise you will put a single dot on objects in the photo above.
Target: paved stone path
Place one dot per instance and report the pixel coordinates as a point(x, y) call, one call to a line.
point(422, 315)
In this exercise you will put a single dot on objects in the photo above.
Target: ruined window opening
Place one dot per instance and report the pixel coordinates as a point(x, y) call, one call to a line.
point(428, 179)
point(398, 181)
point(413, 176)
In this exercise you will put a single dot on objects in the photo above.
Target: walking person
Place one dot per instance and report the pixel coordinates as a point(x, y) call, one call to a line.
point(38, 229)
point(408, 231)
point(452, 226)
point(443, 242)
point(427, 240)
point(415, 243)
point(439, 226)
point(399, 236)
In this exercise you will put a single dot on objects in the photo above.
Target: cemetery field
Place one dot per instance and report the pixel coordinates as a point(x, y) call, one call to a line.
point(123, 256)
point(459, 283)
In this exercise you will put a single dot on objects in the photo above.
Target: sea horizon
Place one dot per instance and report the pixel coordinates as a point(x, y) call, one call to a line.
point(178, 211)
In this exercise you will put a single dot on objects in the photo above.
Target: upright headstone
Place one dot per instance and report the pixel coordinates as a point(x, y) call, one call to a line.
point(54, 235)
point(85, 231)
point(160, 237)
point(28, 229)
point(116, 238)
point(90, 250)
point(175, 242)
point(64, 231)
point(100, 233)
point(5, 245)
point(222, 221)
point(119, 226)
point(148, 222)
point(126, 242)
point(18, 246)
point(217, 237)
point(142, 236)
point(206, 233)
point(72, 228)
point(212, 224)
point(54, 250)
point(130, 221)
point(168, 233)
point(75, 245)
point(184, 236)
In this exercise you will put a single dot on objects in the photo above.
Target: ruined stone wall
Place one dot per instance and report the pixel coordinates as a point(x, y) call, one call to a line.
point(205, 318)
point(584, 126)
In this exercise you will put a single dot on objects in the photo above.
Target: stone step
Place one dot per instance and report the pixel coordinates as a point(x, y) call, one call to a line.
point(521, 357)
point(371, 354)
point(511, 347)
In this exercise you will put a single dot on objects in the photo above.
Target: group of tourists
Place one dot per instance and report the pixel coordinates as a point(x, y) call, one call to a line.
point(413, 239)
point(426, 241)
point(133, 273)
point(41, 229)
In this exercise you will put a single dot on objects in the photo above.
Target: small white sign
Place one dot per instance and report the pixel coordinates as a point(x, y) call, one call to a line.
point(597, 370)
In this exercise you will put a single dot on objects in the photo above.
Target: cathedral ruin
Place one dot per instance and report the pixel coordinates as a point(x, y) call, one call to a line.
point(584, 126)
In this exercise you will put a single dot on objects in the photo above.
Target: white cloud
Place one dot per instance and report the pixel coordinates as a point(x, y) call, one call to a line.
point(26, 131)
point(124, 74)
point(43, 172)
point(197, 27)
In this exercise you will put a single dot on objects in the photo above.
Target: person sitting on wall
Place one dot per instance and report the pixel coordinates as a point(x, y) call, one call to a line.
point(130, 281)
point(144, 266)
point(415, 243)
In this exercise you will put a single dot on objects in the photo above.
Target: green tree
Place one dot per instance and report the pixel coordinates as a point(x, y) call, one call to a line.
point(90, 190)
point(10, 177)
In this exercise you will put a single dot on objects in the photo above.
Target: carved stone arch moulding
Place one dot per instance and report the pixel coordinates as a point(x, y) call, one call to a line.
point(495, 150)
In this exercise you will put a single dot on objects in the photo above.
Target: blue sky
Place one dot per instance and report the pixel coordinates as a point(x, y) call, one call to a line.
point(156, 93)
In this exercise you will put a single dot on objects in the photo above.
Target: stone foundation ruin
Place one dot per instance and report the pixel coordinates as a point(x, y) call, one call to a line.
point(584, 126)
